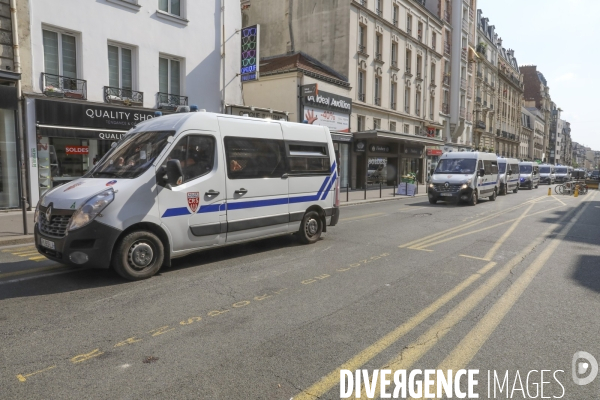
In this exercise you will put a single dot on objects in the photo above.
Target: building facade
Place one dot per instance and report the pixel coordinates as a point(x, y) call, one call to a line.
point(537, 94)
point(510, 97)
point(86, 85)
point(527, 134)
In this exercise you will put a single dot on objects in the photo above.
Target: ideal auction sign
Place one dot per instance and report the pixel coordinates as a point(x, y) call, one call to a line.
point(327, 109)
point(336, 122)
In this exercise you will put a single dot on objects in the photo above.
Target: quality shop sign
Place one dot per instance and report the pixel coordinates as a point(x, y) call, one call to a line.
point(60, 113)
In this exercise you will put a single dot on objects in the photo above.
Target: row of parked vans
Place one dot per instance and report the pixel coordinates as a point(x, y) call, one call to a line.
point(470, 176)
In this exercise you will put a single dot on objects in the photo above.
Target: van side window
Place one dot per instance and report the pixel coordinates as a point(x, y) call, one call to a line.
point(196, 154)
point(487, 165)
point(494, 167)
point(308, 157)
point(480, 165)
point(250, 158)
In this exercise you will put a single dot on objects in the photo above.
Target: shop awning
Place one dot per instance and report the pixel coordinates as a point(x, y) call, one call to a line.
point(79, 133)
point(402, 137)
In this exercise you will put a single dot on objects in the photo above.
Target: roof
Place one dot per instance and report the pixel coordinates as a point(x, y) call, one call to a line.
point(300, 61)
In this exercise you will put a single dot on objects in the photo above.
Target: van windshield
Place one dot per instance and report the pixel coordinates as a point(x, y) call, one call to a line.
point(525, 169)
point(456, 166)
point(544, 170)
point(501, 168)
point(561, 170)
point(132, 156)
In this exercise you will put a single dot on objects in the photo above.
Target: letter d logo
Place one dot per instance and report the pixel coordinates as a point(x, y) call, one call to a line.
point(581, 367)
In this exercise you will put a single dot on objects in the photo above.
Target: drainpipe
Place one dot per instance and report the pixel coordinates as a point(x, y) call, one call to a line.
point(222, 54)
point(290, 10)
point(19, 127)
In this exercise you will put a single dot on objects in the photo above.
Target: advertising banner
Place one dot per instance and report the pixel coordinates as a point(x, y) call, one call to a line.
point(335, 121)
point(77, 150)
point(250, 53)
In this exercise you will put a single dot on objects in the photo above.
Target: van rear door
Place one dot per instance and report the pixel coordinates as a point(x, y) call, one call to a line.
point(257, 190)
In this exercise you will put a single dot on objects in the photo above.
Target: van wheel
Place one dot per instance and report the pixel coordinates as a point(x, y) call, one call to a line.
point(310, 228)
point(138, 255)
point(502, 189)
point(530, 185)
point(516, 189)
point(473, 199)
point(493, 196)
point(432, 201)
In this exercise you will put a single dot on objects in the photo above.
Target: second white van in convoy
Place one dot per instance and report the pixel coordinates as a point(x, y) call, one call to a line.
point(191, 181)
point(530, 175)
point(563, 173)
point(508, 175)
point(464, 176)
point(547, 174)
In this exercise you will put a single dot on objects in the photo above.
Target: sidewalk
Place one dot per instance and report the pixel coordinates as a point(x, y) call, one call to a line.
point(11, 228)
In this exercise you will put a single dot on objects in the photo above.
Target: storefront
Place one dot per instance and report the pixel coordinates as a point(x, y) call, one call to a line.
point(384, 157)
point(433, 157)
point(9, 163)
point(71, 137)
point(333, 111)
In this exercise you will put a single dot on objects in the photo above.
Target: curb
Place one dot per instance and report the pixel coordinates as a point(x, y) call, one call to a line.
point(12, 240)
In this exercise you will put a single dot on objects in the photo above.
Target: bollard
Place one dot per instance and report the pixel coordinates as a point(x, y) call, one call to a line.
point(394, 194)
point(379, 189)
point(365, 191)
point(549, 192)
point(347, 192)
point(576, 193)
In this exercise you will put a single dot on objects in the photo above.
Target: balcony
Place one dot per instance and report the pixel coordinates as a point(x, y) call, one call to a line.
point(379, 12)
point(362, 49)
point(362, 2)
point(361, 97)
point(394, 65)
point(463, 112)
point(447, 16)
point(407, 72)
point(377, 101)
point(62, 86)
point(463, 54)
point(471, 14)
point(379, 58)
point(446, 80)
point(127, 97)
point(463, 84)
point(445, 108)
point(480, 124)
point(447, 48)
point(168, 101)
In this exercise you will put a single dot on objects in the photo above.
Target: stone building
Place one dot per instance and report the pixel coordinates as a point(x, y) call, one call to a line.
point(510, 97)
point(537, 94)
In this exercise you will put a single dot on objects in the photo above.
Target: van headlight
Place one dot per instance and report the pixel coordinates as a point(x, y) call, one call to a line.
point(91, 209)
point(464, 186)
point(431, 185)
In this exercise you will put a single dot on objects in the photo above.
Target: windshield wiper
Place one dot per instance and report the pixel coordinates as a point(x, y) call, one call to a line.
point(108, 173)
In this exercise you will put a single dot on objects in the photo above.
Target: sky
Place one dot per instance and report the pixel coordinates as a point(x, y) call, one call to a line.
point(559, 37)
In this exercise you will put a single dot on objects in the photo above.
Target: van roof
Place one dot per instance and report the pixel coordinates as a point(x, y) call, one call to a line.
point(470, 154)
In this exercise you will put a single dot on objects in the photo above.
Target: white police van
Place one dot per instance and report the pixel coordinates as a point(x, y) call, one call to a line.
point(466, 176)
point(508, 175)
point(191, 181)
point(547, 174)
point(563, 173)
point(530, 174)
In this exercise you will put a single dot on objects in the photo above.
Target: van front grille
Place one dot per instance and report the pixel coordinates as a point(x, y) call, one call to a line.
point(441, 187)
point(57, 226)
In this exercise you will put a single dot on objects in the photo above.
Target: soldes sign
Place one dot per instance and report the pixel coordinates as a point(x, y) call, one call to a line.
point(77, 150)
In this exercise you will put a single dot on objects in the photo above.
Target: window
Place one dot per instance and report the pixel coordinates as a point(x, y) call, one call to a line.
point(406, 128)
point(169, 76)
point(433, 73)
point(378, 41)
point(431, 106)
point(377, 90)
point(60, 54)
point(196, 154)
point(361, 85)
point(249, 158)
point(120, 67)
point(361, 39)
point(409, 24)
point(308, 157)
point(420, 31)
point(360, 122)
point(379, 8)
point(376, 123)
point(491, 167)
point(393, 90)
point(433, 40)
point(392, 126)
point(417, 130)
point(407, 100)
point(394, 54)
point(418, 103)
point(419, 66)
point(408, 61)
point(170, 6)
point(395, 13)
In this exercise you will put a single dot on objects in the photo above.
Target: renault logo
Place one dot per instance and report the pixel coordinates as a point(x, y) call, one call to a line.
point(446, 185)
point(49, 212)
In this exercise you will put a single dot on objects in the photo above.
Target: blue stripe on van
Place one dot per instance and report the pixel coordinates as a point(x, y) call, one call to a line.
point(487, 184)
point(322, 193)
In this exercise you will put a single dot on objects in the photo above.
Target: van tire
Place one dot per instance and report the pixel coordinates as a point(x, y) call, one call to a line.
point(493, 196)
point(432, 201)
point(125, 256)
point(473, 199)
point(502, 189)
point(530, 185)
point(310, 228)
point(516, 189)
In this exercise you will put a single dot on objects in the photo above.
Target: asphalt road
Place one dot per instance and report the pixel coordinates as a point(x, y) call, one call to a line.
point(510, 286)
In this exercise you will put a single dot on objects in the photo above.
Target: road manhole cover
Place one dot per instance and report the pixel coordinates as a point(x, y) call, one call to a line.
point(422, 215)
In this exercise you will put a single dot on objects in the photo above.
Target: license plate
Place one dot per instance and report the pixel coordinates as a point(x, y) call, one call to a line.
point(47, 244)
point(445, 194)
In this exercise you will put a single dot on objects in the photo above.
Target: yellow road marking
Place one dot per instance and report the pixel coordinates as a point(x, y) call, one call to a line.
point(23, 378)
point(38, 258)
point(449, 231)
point(470, 345)
point(27, 253)
point(10, 250)
point(32, 270)
point(482, 229)
point(559, 200)
point(491, 252)
point(333, 378)
point(361, 216)
point(416, 248)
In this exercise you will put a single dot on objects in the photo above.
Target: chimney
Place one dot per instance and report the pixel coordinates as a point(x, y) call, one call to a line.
point(500, 41)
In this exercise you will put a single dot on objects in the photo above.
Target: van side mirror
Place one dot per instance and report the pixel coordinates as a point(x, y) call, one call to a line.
point(431, 171)
point(174, 173)
point(510, 172)
point(482, 172)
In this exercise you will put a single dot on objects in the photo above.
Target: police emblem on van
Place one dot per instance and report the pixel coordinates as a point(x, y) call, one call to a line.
point(193, 199)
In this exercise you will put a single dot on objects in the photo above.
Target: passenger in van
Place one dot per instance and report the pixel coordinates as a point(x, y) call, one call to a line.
point(235, 166)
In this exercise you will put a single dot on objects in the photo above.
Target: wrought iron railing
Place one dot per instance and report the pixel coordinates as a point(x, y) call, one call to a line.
point(446, 80)
point(63, 86)
point(378, 101)
point(361, 96)
point(124, 96)
point(447, 48)
point(446, 108)
point(170, 101)
point(480, 124)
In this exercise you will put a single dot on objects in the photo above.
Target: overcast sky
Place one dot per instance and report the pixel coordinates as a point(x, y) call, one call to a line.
point(559, 37)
